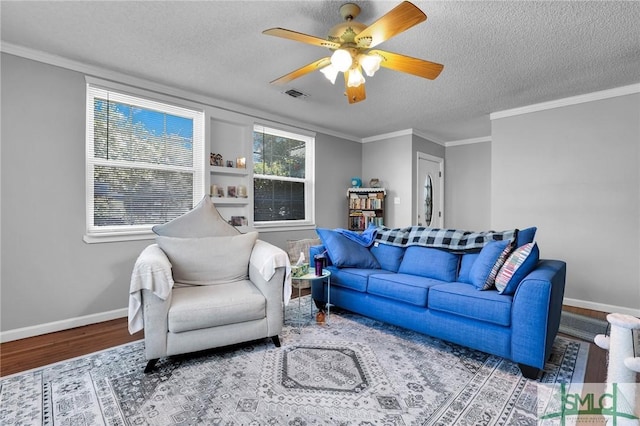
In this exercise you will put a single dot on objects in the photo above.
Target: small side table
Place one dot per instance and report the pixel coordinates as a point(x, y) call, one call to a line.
point(311, 276)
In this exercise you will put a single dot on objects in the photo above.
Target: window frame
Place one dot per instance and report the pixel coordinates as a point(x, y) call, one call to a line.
point(309, 180)
point(134, 96)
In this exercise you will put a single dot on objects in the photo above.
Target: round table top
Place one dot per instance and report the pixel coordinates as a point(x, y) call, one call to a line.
point(313, 276)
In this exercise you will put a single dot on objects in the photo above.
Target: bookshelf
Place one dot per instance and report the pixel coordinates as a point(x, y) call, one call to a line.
point(366, 205)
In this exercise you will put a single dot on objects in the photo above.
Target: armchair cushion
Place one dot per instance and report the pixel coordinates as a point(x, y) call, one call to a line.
point(202, 221)
point(209, 260)
point(214, 306)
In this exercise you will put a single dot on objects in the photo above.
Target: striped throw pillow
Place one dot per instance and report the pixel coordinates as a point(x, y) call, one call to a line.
point(522, 261)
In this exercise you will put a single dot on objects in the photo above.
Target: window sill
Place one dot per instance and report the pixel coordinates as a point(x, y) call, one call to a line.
point(114, 237)
point(282, 227)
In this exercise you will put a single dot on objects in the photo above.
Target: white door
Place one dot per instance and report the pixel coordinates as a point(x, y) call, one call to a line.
point(430, 197)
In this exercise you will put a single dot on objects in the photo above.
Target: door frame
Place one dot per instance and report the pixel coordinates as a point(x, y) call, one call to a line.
point(440, 161)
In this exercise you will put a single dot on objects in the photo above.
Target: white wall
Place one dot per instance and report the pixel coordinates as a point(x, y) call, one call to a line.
point(572, 171)
point(468, 187)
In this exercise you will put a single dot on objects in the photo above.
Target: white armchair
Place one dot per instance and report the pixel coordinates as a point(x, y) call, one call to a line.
point(208, 287)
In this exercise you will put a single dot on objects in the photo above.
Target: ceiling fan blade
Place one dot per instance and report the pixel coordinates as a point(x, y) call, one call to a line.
point(304, 38)
point(313, 66)
point(407, 64)
point(354, 94)
point(399, 19)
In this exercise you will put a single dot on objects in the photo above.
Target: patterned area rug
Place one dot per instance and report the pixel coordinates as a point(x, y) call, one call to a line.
point(351, 371)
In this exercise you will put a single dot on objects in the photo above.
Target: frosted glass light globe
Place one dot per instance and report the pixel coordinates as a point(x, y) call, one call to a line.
point(341, 59)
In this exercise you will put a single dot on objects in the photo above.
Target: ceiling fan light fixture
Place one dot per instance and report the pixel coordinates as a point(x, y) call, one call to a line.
point(341, 59)
point(370, 63)
point(355, 78)
point(330, 72)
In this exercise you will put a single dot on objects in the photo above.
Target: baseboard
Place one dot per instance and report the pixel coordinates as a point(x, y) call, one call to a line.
point(602, 307)
point(51, 327)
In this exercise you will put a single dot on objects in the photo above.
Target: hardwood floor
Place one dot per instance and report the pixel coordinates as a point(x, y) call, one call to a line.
point(25, 354)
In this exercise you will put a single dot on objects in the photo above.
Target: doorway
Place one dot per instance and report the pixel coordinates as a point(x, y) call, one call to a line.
point(430, 191)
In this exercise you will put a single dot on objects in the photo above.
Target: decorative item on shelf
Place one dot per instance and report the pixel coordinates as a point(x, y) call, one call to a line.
point(229, 163)
point(220, 192)
point(242, 191)
point(231, 191)
point(241, 162)
point(374, 183)
point(215, 159)
point(238, 221)
point(213, 190)
point(356, 182)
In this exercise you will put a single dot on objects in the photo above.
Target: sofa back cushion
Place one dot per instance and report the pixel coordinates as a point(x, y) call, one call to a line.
point(389, 257)
point(526, 235)
point(430, 262)
point(466, 262)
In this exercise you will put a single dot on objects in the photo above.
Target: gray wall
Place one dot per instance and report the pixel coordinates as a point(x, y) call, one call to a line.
point(48, 273)
point(573, 172)
point(390, 161)
point(467, 183)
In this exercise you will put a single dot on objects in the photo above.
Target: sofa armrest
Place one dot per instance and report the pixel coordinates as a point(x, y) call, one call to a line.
point(272, 290)
point(535, 314)
point(156, 326)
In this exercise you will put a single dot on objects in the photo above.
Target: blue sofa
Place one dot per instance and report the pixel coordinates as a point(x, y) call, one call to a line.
point(437, 292)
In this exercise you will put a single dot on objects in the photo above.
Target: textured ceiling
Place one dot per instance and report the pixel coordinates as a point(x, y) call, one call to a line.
point(497, 55)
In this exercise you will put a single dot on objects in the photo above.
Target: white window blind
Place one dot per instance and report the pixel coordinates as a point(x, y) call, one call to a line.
point(145, 162)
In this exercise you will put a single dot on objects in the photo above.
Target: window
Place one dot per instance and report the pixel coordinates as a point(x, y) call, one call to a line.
point(145, 163)
point(282, 178)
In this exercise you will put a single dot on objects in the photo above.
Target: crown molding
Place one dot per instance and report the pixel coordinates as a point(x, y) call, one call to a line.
point(405, 132)
point(573, 100)
point(468, 141)
point(115, 76)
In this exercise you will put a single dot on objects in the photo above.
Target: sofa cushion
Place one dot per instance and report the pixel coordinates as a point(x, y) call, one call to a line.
point(430, 262)
point(466, 262)
point(353, 278)
point(344, 252)
point(411, 289)
point(525, 236)
point(209, 260)
point(522, 261)
point(198, 307)
point(485, 261)
point(464, 299)
point(202, 221)
point(389, 257)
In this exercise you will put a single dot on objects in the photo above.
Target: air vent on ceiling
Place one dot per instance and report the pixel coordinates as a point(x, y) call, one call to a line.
point(295, 93)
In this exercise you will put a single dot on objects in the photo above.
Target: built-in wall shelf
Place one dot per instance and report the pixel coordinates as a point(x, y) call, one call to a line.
point(229, 201)
point(229, 171)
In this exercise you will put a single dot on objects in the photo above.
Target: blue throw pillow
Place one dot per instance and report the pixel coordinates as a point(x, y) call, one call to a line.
point(487, 258)
point(344, 252)
point(388, 256)
point(522, 261)
point(430, 262)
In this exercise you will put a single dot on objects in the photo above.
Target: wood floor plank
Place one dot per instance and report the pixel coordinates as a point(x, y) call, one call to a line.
point(33, 352)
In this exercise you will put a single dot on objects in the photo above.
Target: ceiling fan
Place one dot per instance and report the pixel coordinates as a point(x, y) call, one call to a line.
point(352, 44)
